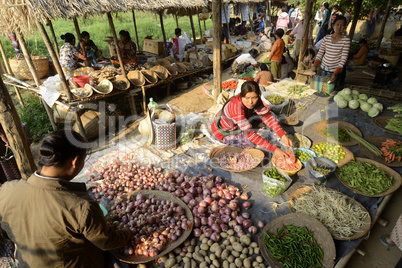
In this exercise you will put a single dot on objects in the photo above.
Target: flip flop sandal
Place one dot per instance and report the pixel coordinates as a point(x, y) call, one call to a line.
point(383, 240)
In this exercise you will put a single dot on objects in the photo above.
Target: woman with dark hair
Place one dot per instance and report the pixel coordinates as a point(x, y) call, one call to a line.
point(128, 49)
point(232, 125)
point(58, 224)
point(89, 46)
point(283, 20)
point(69, 56)
point(334, 52)
point(264, 76)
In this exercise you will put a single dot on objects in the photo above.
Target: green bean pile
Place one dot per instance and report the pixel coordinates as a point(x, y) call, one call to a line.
point(337, 134)
point(294, 246)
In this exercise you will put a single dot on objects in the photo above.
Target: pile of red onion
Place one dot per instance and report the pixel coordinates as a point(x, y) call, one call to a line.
point(153, 222)
point(216, 206)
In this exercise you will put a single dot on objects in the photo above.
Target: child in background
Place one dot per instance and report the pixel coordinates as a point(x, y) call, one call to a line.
point(276, 54)
point(264, 76)
point(360, 57)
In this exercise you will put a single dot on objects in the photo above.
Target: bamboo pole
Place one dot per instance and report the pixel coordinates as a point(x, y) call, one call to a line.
point(34, 74)
point(199, 25)
point(136, 32)
point(116, 41)
point(190, 14)
point(55, 60)
point(358, 5)
point(217, 47)
point(55, 44)
point(79, 38)
point(6, 62)
point(15, 133)
point(163, 33)
point(384, 21)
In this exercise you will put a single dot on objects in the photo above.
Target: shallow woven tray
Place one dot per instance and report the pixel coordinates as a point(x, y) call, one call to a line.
point(388, 170)
point(200, 64)
point(160, 71)
point(376, 141)
point(367, 223)
point(320, 233)
point(104, 82)
point(121, 78)
point(161, 195)
point(136, 78)
point(382, 121)
point(150, 76)
point(215, 152)
point(163, 62)
point(348, 155)
point(170, 59)
point(301, 137)
point(172, 70)
point(88, 88)
point(188, 65)
point(182, 67)
point(341, 124)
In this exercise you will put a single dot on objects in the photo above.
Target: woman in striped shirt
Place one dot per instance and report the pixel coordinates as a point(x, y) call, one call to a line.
point(232, 124)
point(334, 52)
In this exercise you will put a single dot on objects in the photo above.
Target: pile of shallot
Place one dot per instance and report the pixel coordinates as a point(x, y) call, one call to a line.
point(153, 222)
point(216, 206)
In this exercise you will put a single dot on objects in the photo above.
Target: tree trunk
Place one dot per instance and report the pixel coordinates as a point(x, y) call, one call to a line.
point(383, 22)
point(15, 133)
point(217, 47)
point(358, 5)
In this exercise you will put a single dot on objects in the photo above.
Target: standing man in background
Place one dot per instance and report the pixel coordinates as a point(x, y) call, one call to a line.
point(225, 23)
point(324, 25)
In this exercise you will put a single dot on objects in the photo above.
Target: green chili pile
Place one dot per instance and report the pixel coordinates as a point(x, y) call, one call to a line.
point(365, 177)
point(294, 246)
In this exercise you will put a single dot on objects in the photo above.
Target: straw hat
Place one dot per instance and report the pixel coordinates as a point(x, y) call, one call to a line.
point(136, 78)
point(145, 128)
point(150, 76)
point(160, 71)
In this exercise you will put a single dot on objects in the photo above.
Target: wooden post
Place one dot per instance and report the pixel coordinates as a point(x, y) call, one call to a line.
point(190, 14)
point(217, 47)
point(306, 25)
point(358, 5)
point(177, 21)
point(55, 60)
point(15, 133)
point(34, 74)
point(199, 25)
point(6, 62)
point(383, 22)
point(136, 32)
point(55, 44)
point(116, 41)
point(163, 33)
point(84, 50)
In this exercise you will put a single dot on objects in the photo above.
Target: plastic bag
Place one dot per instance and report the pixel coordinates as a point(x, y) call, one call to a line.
point(252, 74)
point(273, 187)
point(274, 108)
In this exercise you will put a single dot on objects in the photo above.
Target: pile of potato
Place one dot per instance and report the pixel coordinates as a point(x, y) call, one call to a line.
point(230, 252)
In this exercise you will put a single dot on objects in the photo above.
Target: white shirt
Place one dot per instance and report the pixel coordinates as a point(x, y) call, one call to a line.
point(244, 12)
point(228, 14)
point(246, 58)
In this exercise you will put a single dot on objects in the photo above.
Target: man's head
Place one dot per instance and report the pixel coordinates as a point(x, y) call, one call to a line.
point(177, 31)
point(325, 5)
point(335, 8)
point(363, 41)
point(85, 36)
point(253, 52)
point(279, 33)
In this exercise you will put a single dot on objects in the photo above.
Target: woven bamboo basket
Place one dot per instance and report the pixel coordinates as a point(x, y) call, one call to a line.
point(160, 71)
point(136, 78)
point(197, 63)
point(121, 83)
point(21, 70)
point(172, 70)
point(189, 66)
point(182, 68)
point(170, 59)
point(90, 121)
point(150, 76)
point(163, 62)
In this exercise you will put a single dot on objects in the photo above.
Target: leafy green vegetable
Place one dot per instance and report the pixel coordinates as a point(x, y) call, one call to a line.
point(394, 125)
point(337, 134)
point(274, 174)
point(365, 177)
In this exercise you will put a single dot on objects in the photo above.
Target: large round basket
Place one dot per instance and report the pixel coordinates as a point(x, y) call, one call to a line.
point(320, 233)
point(344, 161)
point(377, 141)
point(150, 76)
point(367, 223)
point(217, 151)
point(163, 62)
point(320, 128)
point(189, 66)
point(160, 195)
point(382, 121)
point(160, 71)
point(172, 70)
point(181, 67)
point(121, 83)
point(395, 175)
point(21, 70)
point(136, 78)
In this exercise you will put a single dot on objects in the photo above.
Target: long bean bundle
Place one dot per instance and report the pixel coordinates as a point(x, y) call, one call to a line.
point(294, 246)
point(365, 143)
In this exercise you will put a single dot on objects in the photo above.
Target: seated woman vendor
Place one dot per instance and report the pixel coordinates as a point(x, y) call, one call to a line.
point(232, 124)
point(89, 46)
point(69, 56)
point(128, 49)
point(264, 76)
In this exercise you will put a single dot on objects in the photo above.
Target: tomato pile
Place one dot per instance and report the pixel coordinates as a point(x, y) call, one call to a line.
point(247, 78)
point(232, 84)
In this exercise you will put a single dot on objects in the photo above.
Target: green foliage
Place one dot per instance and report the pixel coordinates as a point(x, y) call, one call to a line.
point(35, 117)
point(98, 27)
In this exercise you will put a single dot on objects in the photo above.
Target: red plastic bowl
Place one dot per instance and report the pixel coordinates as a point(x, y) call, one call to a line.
point(81, 80)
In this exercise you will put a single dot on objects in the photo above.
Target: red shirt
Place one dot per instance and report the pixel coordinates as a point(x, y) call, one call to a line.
point(234, 116)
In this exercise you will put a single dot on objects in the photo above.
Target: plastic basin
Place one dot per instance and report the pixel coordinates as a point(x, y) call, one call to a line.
point(321, 162)
point(306, 151)
point(289, 172)
point(81, 80)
